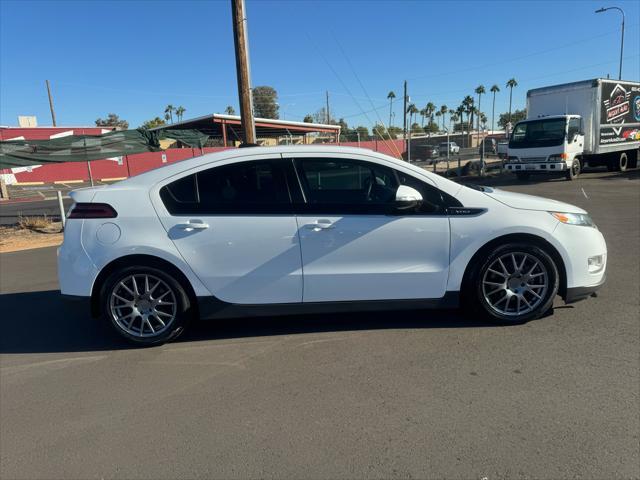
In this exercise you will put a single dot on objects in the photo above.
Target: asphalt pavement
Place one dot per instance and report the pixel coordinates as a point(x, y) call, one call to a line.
point(427, 394)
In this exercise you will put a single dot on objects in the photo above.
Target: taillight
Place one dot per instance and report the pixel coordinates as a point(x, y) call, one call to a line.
point(92, 210)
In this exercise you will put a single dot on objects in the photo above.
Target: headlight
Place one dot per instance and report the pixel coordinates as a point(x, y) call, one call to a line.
point(574, 218)
point(513, 159)
point(558, 158)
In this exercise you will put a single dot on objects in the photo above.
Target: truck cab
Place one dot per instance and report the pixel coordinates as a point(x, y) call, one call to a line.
point(552, 144)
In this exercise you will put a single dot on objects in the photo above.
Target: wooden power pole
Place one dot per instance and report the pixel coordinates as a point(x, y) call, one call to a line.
point(404, 109)
point(239, 19)
point(53, 113)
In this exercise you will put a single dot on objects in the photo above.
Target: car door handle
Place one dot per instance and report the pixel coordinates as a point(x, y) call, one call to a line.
point(193, 225)
point(320, 225)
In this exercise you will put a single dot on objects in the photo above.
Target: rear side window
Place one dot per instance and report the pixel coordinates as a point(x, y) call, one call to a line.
point(241, 188)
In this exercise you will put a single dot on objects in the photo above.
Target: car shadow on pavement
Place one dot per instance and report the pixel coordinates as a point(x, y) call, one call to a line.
point(42, 322)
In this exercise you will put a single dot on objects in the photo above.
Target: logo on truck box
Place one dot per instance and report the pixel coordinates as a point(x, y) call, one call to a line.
point(618, 109)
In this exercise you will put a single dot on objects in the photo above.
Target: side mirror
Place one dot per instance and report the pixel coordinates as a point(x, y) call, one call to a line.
point(407, 197)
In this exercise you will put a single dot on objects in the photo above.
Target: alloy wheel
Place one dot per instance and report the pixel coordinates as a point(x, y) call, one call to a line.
point(515, 284)
point(143, 305)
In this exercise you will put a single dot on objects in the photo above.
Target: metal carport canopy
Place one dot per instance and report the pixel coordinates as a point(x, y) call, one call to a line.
point(229, 128)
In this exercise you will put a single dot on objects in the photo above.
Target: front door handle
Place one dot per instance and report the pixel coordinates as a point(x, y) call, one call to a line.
point(322, 224)
point(192, 225)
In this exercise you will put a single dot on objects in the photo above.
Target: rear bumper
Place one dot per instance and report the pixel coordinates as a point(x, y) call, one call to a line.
point(576, 294)
point(542, 167)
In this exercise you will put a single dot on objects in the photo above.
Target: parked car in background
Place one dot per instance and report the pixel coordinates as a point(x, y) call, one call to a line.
point(451, 146)
point(425, 153)
point(289, 230)
point(490, 146)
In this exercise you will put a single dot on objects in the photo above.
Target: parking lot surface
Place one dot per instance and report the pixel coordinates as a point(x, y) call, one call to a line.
point(427, 394)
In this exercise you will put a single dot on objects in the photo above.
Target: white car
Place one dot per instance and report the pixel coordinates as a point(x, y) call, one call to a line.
point(452, 146)
point(277, 230)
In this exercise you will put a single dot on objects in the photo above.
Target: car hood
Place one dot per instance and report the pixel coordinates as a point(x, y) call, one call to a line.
point(531, 202)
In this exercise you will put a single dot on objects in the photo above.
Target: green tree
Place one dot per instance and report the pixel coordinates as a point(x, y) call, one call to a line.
point(180, 112)
point(168, 110)
point(265, 102)
point(391, 95)
point(416, 128)
point(229, 110)
point(308, 118)
point(511, 83)
point(514, 117)
point(494, 89)
point(153, 123)
point(112, 120)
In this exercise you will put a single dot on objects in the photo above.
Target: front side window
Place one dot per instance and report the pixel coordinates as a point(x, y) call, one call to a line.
point(244, 188)
point(354, 187)
point(574, 127)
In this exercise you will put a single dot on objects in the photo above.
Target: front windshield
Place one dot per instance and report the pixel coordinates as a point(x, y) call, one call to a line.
point(538, 133)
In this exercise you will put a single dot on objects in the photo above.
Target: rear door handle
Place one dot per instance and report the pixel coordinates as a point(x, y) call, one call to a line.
point(322, 224)
point(193, 225)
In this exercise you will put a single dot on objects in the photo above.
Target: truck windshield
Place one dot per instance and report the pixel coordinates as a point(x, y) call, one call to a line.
point(538, 133)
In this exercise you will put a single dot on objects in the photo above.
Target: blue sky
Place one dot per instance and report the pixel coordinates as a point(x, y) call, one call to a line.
point(135, 57)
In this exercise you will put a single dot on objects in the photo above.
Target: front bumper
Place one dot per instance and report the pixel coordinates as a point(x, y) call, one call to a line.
point(576, 294)
point(541, 167)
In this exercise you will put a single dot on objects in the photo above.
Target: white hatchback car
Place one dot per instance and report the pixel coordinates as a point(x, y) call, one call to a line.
point(263, 231)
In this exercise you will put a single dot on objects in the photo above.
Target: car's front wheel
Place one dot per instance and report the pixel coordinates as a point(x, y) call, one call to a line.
point(145, 305)
point(515, 283)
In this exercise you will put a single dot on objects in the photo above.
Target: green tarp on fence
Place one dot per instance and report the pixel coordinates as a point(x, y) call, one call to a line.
point(82, 148)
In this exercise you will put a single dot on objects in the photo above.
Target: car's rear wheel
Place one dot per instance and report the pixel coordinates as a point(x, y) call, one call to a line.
point(145, 305)
point(515, 283)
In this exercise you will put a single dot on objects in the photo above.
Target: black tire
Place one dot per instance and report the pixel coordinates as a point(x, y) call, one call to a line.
point(574, 171)
point(182, 313)
point(623, 162)
point(523, 177)
point(475, 296)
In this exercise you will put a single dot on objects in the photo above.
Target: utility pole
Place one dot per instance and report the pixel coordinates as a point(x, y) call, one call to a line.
point(404, 122)
point(53, 113)
point(328, 114)
point(239, 19)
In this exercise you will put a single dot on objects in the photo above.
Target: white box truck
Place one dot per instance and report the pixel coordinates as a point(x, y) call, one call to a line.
point(570, 126)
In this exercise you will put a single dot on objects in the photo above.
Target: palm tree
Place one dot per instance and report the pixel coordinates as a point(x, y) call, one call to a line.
point(510, 84)
point(480, 91)
point(423, 113)
point(169, 110)
point(430, 108)
point(411, 110)
point(180, 112)
point(443, 111)
point(391, 96)
point(460, 112)
point(229, 110)
point(468, 104)
point(438, 114)
point(494, 90)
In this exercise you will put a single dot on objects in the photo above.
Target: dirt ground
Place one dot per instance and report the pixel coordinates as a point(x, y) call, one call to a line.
point(13, 238)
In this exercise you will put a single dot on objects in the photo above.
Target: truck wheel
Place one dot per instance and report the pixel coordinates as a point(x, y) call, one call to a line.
point(623, 162)
point(574, 170)
point(523, 177)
